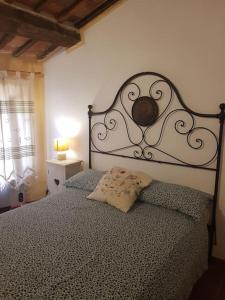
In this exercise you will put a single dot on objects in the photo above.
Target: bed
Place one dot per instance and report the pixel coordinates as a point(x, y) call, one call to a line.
point(68, 247)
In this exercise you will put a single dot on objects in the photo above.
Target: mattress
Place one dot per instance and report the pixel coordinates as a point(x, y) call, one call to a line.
point(67, 247)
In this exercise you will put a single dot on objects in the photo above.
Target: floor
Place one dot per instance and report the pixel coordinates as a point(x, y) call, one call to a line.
point(211, 286)
point(4, 209)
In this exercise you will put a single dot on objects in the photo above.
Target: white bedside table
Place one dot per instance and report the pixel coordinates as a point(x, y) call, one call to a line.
point(60, 170)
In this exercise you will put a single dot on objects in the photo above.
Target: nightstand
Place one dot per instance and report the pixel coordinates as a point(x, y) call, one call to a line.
point(60, 170)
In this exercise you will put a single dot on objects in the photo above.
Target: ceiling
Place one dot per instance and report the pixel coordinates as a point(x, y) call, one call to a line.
point(38, 28)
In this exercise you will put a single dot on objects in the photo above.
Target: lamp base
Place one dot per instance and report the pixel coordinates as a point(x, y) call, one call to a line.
point(61, 156)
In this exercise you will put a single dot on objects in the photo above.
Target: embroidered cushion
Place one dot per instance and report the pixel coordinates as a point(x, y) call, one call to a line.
point(86, 180)
point(120, 187)
point(177, 197)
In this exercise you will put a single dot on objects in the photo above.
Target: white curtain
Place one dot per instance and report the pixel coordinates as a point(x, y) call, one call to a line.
point(17, 134)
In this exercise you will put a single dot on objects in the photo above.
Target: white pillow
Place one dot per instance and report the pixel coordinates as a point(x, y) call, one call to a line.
point(120, 187)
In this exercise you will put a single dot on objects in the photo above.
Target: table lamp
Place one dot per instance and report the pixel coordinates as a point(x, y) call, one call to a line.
point(60, 146)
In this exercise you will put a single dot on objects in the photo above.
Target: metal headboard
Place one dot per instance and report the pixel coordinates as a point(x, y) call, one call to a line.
point(148, 100)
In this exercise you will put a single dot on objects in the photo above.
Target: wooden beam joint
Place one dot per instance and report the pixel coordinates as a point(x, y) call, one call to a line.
point(65, 13)
point(6, 39)
point(19, 51)
point(46, 51)
point(38, 7)
point(100, 9)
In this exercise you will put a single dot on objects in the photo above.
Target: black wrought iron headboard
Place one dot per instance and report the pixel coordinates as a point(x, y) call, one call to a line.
point(143, 107)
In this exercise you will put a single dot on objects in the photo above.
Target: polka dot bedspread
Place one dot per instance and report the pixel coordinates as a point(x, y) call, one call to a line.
point(67, 247)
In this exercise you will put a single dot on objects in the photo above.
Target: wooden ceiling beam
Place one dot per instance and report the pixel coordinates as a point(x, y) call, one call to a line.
point(46, 52)
point(100, 9)
point(20, 50)
point(18, 21)
point(6, 39)
point(65, 12)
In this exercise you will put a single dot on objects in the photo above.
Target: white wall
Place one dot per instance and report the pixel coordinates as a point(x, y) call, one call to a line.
point(184, 40)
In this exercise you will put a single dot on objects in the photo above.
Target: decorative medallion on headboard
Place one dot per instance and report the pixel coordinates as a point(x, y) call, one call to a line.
point(145, 111)
point(148, 120)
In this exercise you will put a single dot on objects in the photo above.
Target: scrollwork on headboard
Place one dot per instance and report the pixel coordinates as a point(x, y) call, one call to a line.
point(148, 120)
point(139, 106)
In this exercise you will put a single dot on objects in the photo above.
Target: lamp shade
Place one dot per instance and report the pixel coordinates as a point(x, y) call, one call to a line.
point(61, 144)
